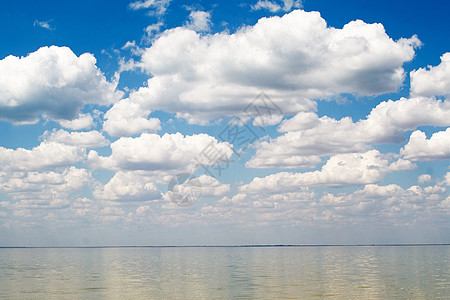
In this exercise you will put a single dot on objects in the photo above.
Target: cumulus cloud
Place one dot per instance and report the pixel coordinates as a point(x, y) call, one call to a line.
point(42, 189)
point(47, 155)
point(129, 118)
point(211, 187)
point(83, 121)
point(307, 137)
point(387, 204)
point(447, 179)
point(275, 6)
point(83, 206)
point(340, 170)
point(193, 189)
point(262, 209)
point(90, 139)
point(199, 21)
point(293, 58)
point(150, 32)
point(59, 149)
point(151, 152)
point(420, 148)
point(432, 81)
point(128, 186)
point(52, 82)
point(390, 202)
point(159, 6)
point(424, 178)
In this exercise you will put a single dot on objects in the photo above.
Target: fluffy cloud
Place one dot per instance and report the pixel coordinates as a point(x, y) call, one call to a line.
point(293, 58)
point(210, 186)
point(83, 206)
point(90, 139)
point(159, 6)
point(298, 207)
point(419, 148)
point(59, 149)
point(129, 118)
point(83, 121)
point(47, 155)
point(170, 152)
point(190, 190)
point(52, 82)
point(424, 178)
point(447, 179)
point(390, 202)
point(340, 170)
point(43, 188)
point(128, 186)
point(434, 81)
point(199, 21)
point(273, 6)
point(307, 137)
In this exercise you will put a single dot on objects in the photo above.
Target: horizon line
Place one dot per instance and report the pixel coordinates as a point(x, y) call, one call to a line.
point(232, 246)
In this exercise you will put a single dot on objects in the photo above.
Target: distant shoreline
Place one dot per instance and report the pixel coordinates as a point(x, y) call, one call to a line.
point(228, 246)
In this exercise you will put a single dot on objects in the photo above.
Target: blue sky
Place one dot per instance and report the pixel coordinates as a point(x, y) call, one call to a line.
point(341, 110)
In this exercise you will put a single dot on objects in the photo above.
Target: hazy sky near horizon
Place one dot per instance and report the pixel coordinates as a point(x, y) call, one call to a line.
point(301, 122)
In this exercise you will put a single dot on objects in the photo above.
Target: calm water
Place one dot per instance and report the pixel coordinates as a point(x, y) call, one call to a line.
point(413, 272)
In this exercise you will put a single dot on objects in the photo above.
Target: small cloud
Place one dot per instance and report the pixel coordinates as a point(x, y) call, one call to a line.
point(273, 6)
point(159, 6)
point(44, 24)
point(199, 21)
point(151, 32)
point(129, 45)
point(424, 178)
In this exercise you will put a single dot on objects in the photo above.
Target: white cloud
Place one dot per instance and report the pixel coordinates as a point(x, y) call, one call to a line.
point(447, 179)
point(43, 24)
point(432, 81)
point(59, 149)
point(42, 189)
point(424, 178)
point(52, 82)
point(159, 6)
point(47, 155)
point(276, 157)
point(142, 210)
point(445, 204)
point(151, 152)
point(275, 6)
point(129, 45)
point(307, 137)
point(293, 59)
point(83, 206)
point(110, 214)
point(192, 190)
point(419, 148)
point(90, 139)
point(199, 21)
point(265, 4)
point(340, 170)
point(128, 118)
point(263, 209)
point(150, 33)
point(84, 121)
point(212, 187)
point(128, 186)
point(390, 203)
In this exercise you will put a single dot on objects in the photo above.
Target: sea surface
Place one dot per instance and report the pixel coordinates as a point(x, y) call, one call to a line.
point(319, 272)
